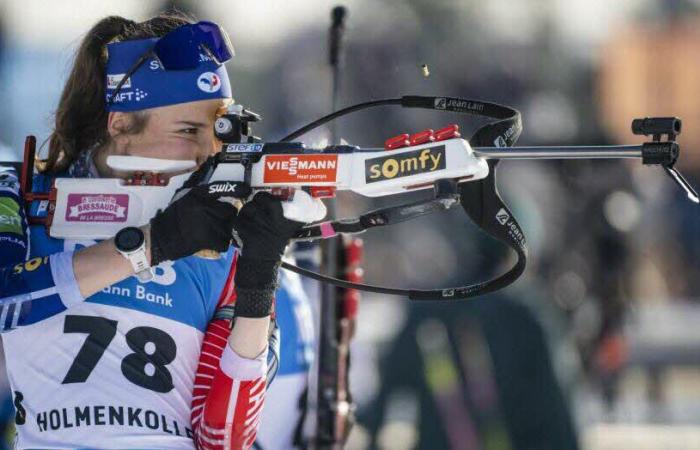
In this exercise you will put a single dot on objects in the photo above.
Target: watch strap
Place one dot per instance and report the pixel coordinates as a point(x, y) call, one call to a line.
point(139, 262)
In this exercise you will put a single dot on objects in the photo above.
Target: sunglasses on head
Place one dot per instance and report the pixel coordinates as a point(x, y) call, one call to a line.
point(183, 48)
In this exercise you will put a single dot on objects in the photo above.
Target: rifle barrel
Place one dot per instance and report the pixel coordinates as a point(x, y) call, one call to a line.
point(568, 152)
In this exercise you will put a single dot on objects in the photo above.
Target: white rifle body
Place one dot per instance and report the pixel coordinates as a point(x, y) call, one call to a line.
point(96, 208)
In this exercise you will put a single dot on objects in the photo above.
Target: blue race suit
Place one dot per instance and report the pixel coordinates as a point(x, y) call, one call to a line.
point(115, 370)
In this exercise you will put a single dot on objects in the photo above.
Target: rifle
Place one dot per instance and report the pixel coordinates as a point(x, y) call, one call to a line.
point(454, 170)
point(441, 162)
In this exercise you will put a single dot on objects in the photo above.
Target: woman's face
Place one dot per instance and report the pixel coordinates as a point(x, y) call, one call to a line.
point(182, 132)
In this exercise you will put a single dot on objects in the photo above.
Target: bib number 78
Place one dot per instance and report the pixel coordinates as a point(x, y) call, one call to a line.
point(153, 350)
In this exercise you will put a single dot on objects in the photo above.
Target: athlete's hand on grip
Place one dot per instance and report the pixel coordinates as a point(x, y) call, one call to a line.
point(262, 230)
point(199, 219)
point(265, 225)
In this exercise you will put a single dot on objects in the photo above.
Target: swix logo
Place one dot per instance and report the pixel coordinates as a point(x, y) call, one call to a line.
point(300, 168)
point(404, 164)
point(222, 188)
point(502, 216)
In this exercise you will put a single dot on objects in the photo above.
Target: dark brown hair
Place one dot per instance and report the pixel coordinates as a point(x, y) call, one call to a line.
point(81, 117)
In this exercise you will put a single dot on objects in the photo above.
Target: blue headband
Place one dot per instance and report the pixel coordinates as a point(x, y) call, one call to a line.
point(151, 86)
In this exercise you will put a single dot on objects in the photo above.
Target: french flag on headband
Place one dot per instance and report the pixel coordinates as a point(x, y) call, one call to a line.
point(152, 86)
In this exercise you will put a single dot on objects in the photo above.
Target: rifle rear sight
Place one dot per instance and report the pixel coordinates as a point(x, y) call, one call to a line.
point(234, 127)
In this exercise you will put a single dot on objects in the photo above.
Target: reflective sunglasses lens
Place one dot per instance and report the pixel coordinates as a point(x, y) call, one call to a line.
point(216, 39)
point(180, 49)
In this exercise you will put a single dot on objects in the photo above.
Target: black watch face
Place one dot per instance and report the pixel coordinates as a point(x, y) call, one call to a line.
point(129, 239)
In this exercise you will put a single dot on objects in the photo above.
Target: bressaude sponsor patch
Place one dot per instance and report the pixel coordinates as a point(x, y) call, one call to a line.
point(405, 164)
point(97, 208)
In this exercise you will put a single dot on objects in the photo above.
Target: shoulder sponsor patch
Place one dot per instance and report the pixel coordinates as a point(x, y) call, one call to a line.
point(404, 164)
point(300, 168)
point(10, 218)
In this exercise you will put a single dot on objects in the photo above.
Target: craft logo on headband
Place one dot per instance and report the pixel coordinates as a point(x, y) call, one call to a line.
point(151, 86)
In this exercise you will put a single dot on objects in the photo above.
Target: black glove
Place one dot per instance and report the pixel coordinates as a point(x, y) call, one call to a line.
point(196, 221)
point(262, 233)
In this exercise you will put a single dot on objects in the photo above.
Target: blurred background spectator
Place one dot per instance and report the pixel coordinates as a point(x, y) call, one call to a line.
point(598, 342)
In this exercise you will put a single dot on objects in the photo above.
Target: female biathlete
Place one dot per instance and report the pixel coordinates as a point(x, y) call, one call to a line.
point(102, 339)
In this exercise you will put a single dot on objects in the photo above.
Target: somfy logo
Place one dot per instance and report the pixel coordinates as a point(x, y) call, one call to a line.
point(502, 216)
point(405, 164)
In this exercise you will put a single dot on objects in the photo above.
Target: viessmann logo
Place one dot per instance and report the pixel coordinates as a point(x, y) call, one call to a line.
point(405, 164)
point(292, 168)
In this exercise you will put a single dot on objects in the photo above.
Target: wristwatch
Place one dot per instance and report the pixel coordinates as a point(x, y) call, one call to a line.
point(131, 243)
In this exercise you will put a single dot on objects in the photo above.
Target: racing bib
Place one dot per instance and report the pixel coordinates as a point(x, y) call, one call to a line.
point(103, 376)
